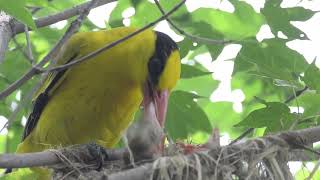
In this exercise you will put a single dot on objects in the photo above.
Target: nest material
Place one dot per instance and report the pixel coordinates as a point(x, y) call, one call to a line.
point(260, 159)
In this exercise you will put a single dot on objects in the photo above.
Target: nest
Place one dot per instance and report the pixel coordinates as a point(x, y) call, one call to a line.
point(262, 158)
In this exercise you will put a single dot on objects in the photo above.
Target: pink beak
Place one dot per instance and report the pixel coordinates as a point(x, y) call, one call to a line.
point(155, 101)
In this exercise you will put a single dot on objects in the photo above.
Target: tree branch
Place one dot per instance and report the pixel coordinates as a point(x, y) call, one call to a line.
point(18, 27)
point(252, 151)
point(5, 34)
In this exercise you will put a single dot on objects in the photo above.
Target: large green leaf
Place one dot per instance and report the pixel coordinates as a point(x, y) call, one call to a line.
point(188, 71)
point(17, 10)
point(275, 116)
point(312, 77)
point(185, 117)
point(279, 19)
point(270, 58)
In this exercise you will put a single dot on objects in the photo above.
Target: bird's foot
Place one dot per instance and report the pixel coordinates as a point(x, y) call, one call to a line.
point(99, 153)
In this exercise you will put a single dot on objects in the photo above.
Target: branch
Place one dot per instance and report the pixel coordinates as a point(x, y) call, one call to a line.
point(296, 94)
point(275, 149)
point(108, 46)
point(29, 46)
point(18, 27)
point(37, 69)
point(5, 34)
point(75, 25)
point(50, 157)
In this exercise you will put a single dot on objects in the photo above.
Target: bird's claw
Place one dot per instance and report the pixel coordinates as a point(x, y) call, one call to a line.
point(99, 153)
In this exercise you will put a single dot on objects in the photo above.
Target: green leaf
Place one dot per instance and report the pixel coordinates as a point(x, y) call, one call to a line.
point(245, 20)
point(312, 77)
point(145, 7)
point(115, 19)
point(4, 109)
point(21, 173)
point(39, 3)
point(185, 117)
point(188, 71)
point(310, 102)
point(202, 85)
point(270, 58)
point(221, 116)
point(14, 66)
point(17, 10)
point(14, 136)
point(299, 13)
point(305, 173)
point(275, 116)
point(279, 19)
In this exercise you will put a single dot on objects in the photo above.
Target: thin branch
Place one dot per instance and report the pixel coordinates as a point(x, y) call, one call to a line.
point(190, 36)
point(109, 46)
point(34, 70)
point(29, 46)
point(18, 27)
point(244, 134)
point(5, 34)
point(296, 94)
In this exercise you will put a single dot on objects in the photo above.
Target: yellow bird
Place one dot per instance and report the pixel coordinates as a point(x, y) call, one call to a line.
point(95, 101)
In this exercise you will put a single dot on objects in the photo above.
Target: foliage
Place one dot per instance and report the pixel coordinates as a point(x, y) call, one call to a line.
point(267, 69)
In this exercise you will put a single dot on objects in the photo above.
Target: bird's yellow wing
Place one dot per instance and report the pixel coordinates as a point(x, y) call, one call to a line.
point(69, 52)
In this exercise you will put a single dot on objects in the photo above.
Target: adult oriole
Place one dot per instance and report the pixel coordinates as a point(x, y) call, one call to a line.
point(95, 101)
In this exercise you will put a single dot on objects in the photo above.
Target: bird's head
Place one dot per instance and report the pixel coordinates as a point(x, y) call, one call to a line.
point(163, 74)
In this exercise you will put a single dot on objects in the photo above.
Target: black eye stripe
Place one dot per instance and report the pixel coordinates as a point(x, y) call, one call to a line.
point(164, 47)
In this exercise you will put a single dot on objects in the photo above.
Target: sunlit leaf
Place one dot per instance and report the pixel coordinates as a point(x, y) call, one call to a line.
point(279, 19)
point(244, 19)
point(270, 58)
point(275, 116)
